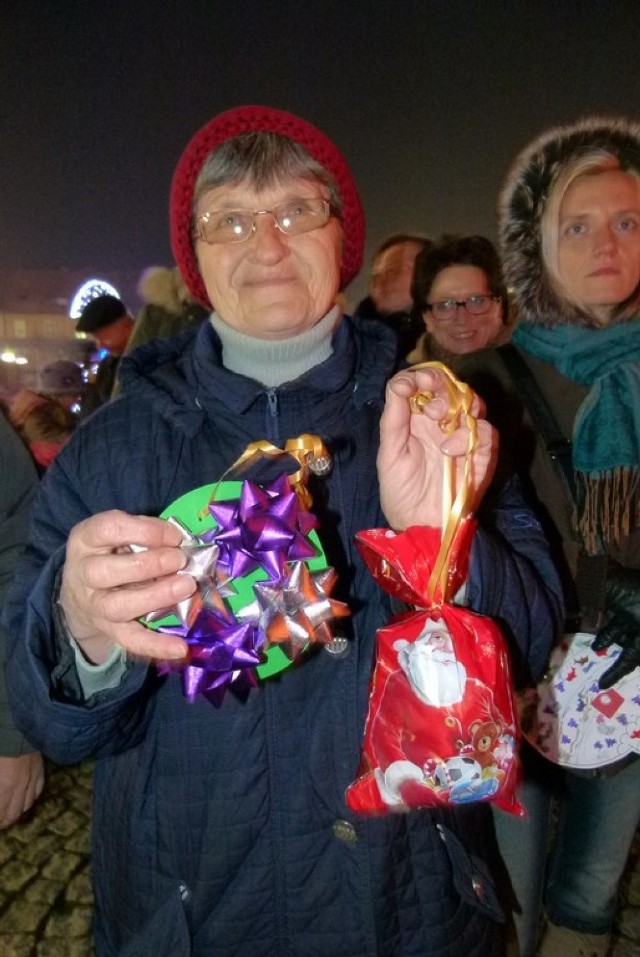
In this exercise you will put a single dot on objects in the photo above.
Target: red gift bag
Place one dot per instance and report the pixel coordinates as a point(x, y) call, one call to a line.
point(441, 727)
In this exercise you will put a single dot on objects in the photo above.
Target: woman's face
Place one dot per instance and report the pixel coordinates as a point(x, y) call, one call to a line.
point(599, 240)
point(272, 286)
point(462, 333)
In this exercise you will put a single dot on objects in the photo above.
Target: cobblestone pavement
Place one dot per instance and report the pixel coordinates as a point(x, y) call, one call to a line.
point(45, 890)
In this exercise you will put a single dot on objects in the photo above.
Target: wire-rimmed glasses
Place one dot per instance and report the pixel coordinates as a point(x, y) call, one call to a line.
point(299, 215)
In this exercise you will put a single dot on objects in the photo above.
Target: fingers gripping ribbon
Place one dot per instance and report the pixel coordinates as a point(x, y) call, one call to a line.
point(455, 507)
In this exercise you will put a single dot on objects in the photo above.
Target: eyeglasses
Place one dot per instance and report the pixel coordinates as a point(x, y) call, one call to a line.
point(447, 309)
point(237, 225)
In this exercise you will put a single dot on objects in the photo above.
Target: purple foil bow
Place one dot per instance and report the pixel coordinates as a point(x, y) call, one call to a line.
point(266, 528)
point(222, 652)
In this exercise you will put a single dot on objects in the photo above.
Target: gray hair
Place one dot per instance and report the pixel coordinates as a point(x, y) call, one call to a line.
point(264, 159)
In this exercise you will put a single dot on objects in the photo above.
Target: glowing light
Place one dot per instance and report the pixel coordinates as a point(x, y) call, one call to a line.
point(7, 356)
point(21, 360)
point(88, 291)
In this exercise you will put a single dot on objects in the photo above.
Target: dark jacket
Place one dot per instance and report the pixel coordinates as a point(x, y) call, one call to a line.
point(154, 322)
point(100, 391)
point(225, 831)
point(407, 326)
point(522, 449)
point(169, 308)
point(18, 483)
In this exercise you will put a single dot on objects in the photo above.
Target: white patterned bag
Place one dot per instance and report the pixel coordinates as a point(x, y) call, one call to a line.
point(570, 721)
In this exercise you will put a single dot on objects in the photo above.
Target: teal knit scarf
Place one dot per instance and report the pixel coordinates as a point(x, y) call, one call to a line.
point(606, 432)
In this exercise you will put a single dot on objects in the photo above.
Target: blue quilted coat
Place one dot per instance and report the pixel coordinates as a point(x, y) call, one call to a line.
point(224, 832)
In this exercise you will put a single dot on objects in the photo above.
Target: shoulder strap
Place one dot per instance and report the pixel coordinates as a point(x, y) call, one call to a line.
point(592, 569)
point(557, 445)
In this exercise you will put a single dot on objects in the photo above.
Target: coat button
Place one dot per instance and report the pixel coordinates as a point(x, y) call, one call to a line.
point(345, 831)
point(338, 647)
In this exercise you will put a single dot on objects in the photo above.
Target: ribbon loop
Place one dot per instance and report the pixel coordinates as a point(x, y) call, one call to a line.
point(309, 451)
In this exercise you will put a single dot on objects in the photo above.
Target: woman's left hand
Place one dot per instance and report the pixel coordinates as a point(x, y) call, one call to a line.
point(412, 446)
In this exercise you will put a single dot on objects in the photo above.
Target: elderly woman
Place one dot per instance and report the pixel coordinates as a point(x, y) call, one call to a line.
point(570, 231)
point(225, 830)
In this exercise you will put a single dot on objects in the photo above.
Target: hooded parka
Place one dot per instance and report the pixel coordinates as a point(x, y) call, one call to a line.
point(570, 390)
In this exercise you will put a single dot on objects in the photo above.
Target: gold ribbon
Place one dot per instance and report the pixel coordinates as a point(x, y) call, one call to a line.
point(460, 397)
point(305, 450)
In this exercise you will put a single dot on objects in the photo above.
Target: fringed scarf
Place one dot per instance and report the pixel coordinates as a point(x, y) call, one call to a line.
point(606, 430)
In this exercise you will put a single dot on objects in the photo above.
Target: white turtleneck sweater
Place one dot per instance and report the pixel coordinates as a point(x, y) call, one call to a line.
point(274, 361)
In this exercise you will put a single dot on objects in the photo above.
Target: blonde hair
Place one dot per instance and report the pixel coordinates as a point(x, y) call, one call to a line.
point(591, 163)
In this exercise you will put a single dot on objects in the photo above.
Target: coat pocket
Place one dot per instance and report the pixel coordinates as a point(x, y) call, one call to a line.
point(166, 933)
point(471, 877)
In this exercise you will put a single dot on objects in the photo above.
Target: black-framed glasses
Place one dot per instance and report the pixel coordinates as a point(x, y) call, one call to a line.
point(299, 215)
point(447, 309)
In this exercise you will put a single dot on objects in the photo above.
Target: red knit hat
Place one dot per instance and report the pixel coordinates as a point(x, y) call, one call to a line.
point(254, 119)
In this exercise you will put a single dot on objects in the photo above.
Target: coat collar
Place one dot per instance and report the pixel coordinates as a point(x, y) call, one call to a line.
point(184, 380)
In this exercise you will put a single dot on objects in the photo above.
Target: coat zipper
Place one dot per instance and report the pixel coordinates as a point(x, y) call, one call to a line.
point(273, 413)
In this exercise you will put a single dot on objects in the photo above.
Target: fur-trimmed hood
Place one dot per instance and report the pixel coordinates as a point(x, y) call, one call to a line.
point(164, 287)
point(523, 199)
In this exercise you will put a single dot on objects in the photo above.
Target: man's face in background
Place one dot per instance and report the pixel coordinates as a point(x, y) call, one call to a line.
point(391, 277)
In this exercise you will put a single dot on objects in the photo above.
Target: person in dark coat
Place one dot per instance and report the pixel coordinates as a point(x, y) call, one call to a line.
point(107, 320)
point(570, 238)
point(169, 308)
point(225, 829)
point(21, 766)
point(389, 299)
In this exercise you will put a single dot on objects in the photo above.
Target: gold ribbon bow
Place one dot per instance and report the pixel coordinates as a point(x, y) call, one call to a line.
point(308, 450)
point(460, 398)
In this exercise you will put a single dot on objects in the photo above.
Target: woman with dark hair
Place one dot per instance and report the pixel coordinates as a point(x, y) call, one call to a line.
point(458, 290)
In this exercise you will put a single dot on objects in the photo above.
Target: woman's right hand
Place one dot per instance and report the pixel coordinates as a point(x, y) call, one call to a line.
point(106, 586)
point(413, 447)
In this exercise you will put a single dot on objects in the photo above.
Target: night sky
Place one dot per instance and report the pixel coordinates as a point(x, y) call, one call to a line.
point(429, 101)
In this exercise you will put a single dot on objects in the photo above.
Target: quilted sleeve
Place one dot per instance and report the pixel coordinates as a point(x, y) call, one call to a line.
point(513, 579)
point(46, 698)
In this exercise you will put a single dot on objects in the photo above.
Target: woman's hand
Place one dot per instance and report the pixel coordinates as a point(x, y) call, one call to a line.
point(413, 446)
point(106, 586)
point(21, 783)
